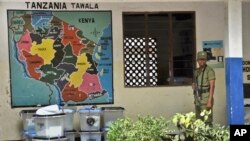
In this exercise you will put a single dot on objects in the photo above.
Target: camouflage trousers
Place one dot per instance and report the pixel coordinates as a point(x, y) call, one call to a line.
point(200, 105)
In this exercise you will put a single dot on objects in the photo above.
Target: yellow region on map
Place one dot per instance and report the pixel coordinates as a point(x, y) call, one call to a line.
point(44, 50)
point(82, 65)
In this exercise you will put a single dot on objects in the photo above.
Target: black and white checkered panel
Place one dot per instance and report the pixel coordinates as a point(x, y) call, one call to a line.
point(135, 62)
point(152, 44)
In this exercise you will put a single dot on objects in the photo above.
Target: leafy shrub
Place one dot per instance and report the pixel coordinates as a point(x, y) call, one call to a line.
point(197, 129)
point(148, 128)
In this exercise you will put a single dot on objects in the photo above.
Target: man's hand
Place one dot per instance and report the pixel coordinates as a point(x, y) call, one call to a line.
point(209, 104)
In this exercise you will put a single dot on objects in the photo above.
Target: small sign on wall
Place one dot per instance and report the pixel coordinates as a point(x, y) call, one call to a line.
point(246, 70)
point(212, 44)
point(215, 52)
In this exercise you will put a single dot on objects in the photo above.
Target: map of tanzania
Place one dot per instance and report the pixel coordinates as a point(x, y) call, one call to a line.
point(60, 57)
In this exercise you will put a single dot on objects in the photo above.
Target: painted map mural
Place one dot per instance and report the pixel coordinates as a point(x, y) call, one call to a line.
point(60, 57)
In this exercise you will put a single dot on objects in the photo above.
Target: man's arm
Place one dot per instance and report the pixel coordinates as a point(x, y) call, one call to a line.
point(211, 94)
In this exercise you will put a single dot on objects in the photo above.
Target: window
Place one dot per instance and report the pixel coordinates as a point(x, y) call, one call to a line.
point(159, 48)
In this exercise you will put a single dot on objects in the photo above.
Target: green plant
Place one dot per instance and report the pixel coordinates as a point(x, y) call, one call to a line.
point(150, 128)
point(194, 129)
point(147, 128)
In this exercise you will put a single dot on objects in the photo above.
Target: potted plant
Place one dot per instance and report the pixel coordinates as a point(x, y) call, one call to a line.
point(145, 128)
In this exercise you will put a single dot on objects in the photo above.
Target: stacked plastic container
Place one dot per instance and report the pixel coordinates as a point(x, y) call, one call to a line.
point(28, 124)
point(49, 127)
point(69, 130)
point(50, 139)
point(110, 114)
point(94, 124)
point(90, 124)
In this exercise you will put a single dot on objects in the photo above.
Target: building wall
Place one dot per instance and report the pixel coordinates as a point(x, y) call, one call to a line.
point(246, 49)
point(158, 101)
point(246, 29)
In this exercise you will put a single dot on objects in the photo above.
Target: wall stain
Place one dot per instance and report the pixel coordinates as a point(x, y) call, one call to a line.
point(7, 90)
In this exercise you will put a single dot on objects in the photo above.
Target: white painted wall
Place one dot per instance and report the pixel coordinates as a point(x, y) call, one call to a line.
point(164, 101)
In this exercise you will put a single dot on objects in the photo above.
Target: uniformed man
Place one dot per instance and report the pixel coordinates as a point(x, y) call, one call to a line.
point(205, 82)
